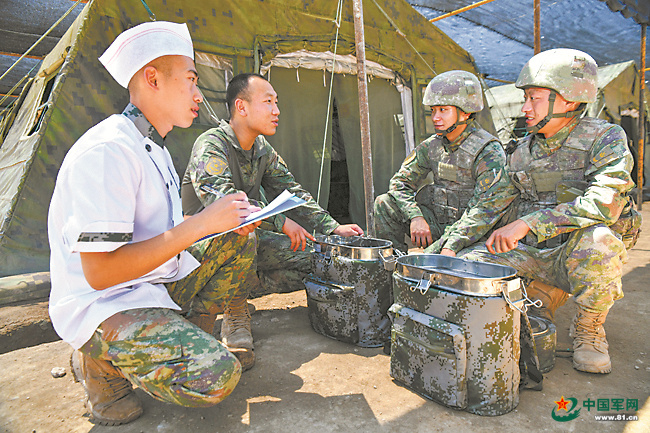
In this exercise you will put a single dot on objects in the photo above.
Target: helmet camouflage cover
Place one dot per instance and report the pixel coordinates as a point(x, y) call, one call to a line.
point(458, 88)
point(571, 73)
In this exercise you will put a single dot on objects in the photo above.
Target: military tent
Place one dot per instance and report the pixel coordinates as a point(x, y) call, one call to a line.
point(292, 41)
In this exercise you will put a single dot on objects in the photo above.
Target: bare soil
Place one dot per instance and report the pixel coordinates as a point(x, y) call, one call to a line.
point(304, 382)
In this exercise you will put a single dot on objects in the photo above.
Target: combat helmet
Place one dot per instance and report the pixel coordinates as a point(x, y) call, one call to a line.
point(571, 73)
point(460, 89)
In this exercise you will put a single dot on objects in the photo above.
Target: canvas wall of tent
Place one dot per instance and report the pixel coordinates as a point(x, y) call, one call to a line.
point(290, 40)
point(617, 102)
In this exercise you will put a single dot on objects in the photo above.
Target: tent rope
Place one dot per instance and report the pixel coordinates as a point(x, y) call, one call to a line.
point(337, 21)
point(403, 35)
point(15, 87)
point(208, 107)
point(41, 38)
point(152, 16)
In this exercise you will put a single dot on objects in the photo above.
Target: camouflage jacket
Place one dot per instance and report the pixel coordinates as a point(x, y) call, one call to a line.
point(588, 156)
point(492, 190)
point(208, 165)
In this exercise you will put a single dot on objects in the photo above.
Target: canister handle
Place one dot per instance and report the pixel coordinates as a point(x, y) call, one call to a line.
point(327, 255)
point(424, 284)
point(525, 301)
point(390, 262)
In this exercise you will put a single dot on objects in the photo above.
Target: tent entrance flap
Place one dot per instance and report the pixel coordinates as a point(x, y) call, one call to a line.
point(299, 136)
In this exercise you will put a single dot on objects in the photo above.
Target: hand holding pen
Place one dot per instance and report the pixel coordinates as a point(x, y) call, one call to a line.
point(229, 211)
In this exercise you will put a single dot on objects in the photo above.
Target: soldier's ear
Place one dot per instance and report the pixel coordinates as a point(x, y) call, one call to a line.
point(150, 74)
point(240, 107)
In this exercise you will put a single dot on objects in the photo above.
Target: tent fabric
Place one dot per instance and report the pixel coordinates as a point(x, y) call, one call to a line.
point(22, 23)
point(500, 36)
point(247, 33)
point(639, 10)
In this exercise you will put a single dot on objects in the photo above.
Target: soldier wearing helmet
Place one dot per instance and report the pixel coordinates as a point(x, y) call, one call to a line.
point(575, 217)
point(470, 189)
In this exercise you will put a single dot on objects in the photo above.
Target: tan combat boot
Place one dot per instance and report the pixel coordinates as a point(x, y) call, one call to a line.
point(202, 317)
point(552, 298)
point(589, 342)
point(236, 330)
point(109, 396)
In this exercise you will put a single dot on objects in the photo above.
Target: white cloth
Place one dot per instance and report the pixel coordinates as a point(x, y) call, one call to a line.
point(137, 46)
point(109, 187)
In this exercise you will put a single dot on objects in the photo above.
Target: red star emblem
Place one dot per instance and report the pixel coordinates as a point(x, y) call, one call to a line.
point(562, 404)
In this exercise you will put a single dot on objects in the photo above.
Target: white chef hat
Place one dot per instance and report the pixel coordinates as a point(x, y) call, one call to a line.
point(137, 46)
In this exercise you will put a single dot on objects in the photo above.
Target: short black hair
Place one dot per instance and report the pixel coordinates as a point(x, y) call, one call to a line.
point(238, 89)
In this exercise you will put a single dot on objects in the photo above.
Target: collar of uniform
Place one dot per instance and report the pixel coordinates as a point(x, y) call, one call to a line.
point(453, 146)
point(134, 114)
point(258, 146)
point(553, 143)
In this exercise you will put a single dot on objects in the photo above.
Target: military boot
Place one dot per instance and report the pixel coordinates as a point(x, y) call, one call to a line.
point(589, 342)
point(109, 395)
point(552, 298)
point(205, 318)
point(236, 330)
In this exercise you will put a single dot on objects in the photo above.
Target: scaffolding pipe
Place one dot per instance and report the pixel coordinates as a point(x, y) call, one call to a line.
point(640, 147)
point(364, 115)
point(537, 21)
point(460, 11)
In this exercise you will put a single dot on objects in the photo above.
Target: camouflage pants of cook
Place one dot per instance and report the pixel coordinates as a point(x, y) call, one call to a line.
point(164, 354)
point(589, 265)
point(391, 224)
point(280, 270)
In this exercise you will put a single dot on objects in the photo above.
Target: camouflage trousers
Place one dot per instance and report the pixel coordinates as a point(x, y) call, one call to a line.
point(589, 265)
point(280, 270)
point(164, 354)
point(391, 224)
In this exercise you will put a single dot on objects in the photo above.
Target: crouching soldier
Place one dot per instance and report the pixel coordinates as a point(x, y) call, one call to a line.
point(470, 190)
point(236, 157)
point(123, 258)
point(575, 218)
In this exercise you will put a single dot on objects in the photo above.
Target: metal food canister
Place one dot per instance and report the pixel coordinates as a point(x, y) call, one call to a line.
point(349, 290)
point(545, 335)
point(455, 332)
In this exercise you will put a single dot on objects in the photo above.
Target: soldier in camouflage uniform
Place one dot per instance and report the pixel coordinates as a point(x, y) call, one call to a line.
point(235, 156)
point(470, 190)
point(575, 217)
point(119, 264)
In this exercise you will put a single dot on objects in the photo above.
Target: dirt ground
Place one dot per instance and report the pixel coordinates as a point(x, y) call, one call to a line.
point(304, 382)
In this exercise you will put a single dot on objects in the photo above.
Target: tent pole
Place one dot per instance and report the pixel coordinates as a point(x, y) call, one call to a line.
point(537, 19)
point(364, 114)
point(641, 145)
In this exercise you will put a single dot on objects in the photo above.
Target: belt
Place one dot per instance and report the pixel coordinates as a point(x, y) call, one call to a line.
point(553, 242)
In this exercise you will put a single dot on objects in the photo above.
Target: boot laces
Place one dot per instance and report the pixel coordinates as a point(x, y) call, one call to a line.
point(238, 315)
point(116, 385)
point(589, 330)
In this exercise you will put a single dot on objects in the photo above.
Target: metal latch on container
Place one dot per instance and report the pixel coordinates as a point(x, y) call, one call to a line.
point(424, 284)
point(390, 262)
point(327, 257)
point(518, 299)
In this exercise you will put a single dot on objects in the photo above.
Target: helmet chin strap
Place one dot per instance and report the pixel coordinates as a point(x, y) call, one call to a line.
point(550, 115)
point(445, 132)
